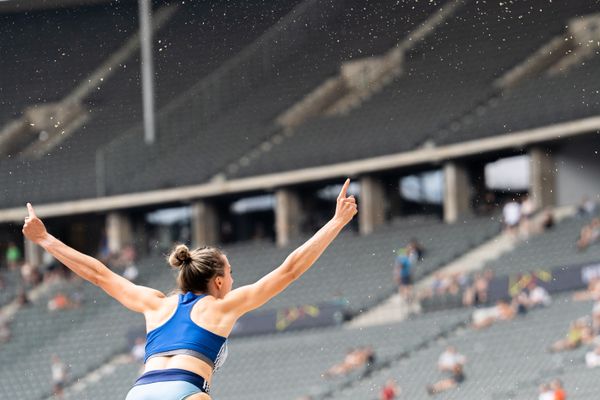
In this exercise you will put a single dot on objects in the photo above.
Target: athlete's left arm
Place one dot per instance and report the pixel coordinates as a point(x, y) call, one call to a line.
point(134, 297)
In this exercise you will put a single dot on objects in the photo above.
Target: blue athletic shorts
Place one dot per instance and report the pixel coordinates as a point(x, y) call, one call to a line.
point(167, 384)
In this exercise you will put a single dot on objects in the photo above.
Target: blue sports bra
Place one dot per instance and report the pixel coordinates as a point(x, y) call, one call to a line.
point(181, 335)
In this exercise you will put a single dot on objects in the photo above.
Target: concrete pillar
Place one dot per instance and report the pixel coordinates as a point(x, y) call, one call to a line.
point(205, 224)
point(288, 216)
point(457, 191)
point(34, 254)
point(542, 177)
point(372, 204)
point(118, 230)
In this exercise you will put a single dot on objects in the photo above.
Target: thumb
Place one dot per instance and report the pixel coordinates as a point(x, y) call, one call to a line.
point(31, 211)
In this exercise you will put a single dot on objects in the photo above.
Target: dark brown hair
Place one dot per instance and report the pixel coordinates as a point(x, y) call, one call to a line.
point(196, 267)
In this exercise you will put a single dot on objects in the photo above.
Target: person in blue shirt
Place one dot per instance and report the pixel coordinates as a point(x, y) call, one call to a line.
point(403, 274)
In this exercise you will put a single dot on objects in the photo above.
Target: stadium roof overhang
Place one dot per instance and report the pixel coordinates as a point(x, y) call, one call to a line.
point(432, 155)
point(16, 6)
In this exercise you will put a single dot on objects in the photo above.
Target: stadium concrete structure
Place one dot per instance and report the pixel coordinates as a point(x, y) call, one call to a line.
point(284, 99)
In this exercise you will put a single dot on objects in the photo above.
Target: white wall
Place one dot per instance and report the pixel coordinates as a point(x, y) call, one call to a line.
point(578, 170)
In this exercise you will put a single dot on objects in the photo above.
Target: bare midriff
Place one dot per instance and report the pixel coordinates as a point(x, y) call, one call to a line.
point(180, 361)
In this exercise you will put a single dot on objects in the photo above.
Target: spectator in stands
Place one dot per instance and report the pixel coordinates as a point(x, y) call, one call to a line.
point(579, 333)
point(449, 359)
point(520, 303)
point(589, 234)
point(587, 207)
point(457, 377)
point(477, 294)
point(59, 376)
point(592, 358)
point(131, 272)
point(389, 391)
point(538, 296)
point(545, 392)
point(596, 315)
point(484, 317)
point(61, 301)
point(591, 293)
point(558, 390)
point(527, 211)
point(415, 250)
point(22, 298)
point(138, 350)
point(403, 274)
point(28, 275)
point(511, 214)
point(13, 255)
point(354, 359)
point(547, 220)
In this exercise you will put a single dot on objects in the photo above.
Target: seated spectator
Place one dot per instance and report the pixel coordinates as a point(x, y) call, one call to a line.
point(138, 350)
point(454, 380)
point(484, 317)
point(449, 359)
point(22, 299)
point(591, 293)
point(547, 220)
point(520, 303)
point(538, 296)
point(61, 301)
point(131, 272)
point(476, 294)
point(511, 215)
point(415, 250)
point(389, 391)
point(59, 376)
point(13, 256)
point(592, 358)
point(596, 316)
point(579, 333)
point(527, 211)
point(545, 392)
point(587, 207)
point(589, 234)
point(558, 390)
point(355, 358)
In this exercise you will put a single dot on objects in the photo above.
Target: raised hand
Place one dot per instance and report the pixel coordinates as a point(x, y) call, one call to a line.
point(346, 207)
point(34, 228)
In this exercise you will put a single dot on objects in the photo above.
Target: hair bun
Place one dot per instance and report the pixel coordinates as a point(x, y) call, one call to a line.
point(180, 256)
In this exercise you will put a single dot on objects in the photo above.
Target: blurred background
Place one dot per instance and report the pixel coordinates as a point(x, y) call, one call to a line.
point(471, 132)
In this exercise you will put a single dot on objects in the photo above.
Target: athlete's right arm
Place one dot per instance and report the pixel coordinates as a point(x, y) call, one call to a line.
point(247, 298)
point(134, 297)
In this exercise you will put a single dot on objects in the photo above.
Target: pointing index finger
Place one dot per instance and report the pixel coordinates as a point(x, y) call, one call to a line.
point(31, 211)
point(344, 190)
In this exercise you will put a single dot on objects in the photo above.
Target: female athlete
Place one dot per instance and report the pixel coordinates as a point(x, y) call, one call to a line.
point(187, 332)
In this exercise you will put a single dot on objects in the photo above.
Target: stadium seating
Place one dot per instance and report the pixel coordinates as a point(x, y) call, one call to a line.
point(541, 101)
point(188, 49)
point(37, 334)
point(446, 77)
point(45, 54)
point(293, 363)
point(555, 248)
point(504, 359)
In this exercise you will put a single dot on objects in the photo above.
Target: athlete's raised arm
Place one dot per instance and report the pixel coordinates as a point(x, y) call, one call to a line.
point(136, 298)
point(250, 297)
